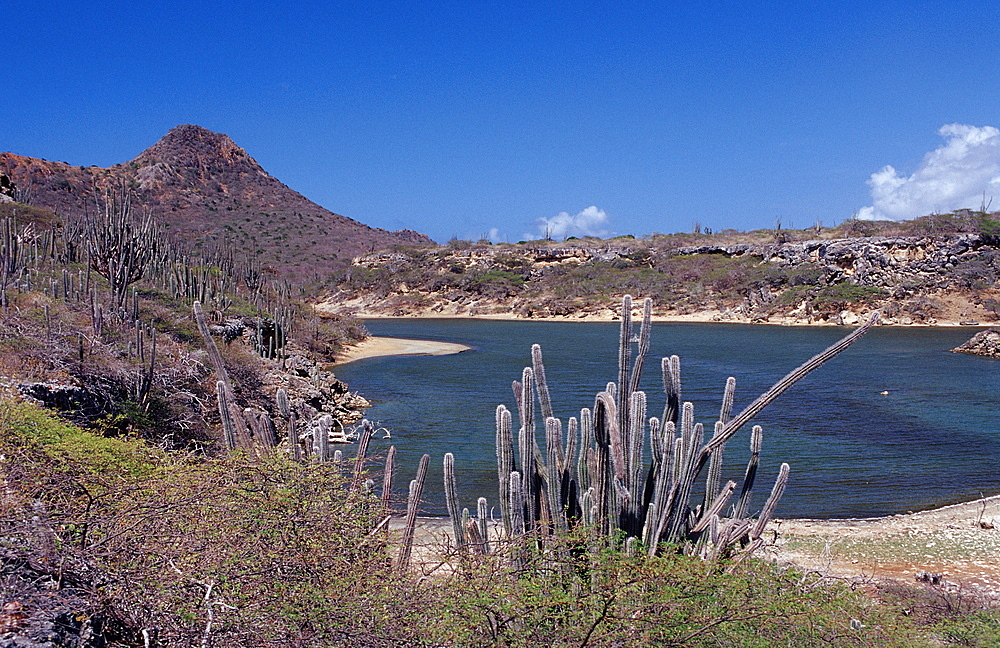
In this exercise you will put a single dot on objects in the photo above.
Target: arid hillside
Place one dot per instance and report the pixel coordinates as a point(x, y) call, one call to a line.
point(939, 269)
point(204, 189)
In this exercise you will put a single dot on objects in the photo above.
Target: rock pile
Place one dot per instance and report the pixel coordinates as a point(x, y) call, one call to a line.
point(984, 343)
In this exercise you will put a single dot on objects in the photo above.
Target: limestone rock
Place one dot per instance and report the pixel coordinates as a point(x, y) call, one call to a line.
point(984, 343)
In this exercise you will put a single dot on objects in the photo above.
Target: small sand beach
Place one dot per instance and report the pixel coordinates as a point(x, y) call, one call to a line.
point(385, 346)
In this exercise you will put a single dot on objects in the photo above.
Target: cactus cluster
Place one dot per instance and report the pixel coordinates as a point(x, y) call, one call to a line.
point(593, 471)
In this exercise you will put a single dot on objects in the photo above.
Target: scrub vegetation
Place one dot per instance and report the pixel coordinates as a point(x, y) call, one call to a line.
point(110, 538)
point(914, 272)
point(126, 521)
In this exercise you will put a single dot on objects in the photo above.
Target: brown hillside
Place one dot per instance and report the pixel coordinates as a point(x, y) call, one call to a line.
point(207, 190)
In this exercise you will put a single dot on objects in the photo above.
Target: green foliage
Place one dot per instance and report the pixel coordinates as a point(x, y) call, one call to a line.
point(498, 278)
point(841, 294)
point(51, 445)
point(979, 629)
point(265, 552)
point(262, 550)
point(276, 549)
point(609, 599)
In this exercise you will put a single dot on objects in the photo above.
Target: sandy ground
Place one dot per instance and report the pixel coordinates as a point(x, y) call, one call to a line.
point(953, 316)
point(959, 543)
point(386, 346)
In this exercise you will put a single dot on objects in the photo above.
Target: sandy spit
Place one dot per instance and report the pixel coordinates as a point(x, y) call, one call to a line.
point(385, 346)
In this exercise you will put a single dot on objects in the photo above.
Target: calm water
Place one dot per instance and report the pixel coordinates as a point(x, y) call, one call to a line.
point(933, 439)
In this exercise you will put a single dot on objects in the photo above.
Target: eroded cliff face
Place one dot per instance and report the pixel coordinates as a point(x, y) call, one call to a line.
point(912, 279)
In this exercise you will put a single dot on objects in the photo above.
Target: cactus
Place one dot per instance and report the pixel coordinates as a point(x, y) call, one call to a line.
point(120, 245)
point(295, 448)
point(228, 429)
point(476, 540)
point(281, 398)
point(482, 522)
point(505, 464)
point(367, 430)
point(611, 490)
point(412, 505)
point(756, 436)
point(451, 499)
point(390, 465)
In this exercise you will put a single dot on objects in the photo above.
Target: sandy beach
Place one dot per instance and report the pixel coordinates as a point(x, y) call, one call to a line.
point(952, 317)
point(386, 346)
point(961, 543)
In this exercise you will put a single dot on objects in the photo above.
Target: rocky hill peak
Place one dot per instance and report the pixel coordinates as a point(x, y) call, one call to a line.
point(206, 190)
point(194, 152)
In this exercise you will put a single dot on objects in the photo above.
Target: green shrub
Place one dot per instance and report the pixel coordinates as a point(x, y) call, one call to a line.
point(609, 599)
point(842, 294)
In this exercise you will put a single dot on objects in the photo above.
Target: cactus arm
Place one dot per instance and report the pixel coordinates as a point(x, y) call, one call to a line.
point(726, 411)
point(756, 437)
point(772, 503)
point(451, 499)
point(412, 505)
point(541, 386)
point(790, 379)
point(390, 466)
point(713, 510)
point(505, 464)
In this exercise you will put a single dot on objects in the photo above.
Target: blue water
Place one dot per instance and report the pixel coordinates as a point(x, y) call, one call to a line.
point(934, 439)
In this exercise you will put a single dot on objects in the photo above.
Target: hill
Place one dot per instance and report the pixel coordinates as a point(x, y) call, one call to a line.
point(939, 269)
point(205, 190)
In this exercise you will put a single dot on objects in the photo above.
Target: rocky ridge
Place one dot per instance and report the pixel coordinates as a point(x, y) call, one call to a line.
point(916, 279)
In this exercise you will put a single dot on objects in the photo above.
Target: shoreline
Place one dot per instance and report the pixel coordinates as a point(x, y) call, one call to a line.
point(701, 317)
point(377, 347)
point(958, 544)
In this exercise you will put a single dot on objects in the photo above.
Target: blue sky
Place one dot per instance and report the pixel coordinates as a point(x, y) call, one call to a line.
point(468, 119)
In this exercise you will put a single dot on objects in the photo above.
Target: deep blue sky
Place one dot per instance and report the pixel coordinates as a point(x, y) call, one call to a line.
point(457, 118)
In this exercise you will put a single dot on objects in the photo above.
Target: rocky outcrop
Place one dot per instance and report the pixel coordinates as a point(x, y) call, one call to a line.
point(313, 389)
point(869, 261)
point(7, 189)
point(984, 343)
point(75, 402)
point(51, 603)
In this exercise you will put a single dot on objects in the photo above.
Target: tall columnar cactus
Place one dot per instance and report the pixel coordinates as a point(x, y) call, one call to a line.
point(281, 398)
point(321, 438)
point(451, 500)
point(412, 506)
point(222, 376)
point(225, 414)
point(367, 430)
point(387, 475)
point(604, 481)
point(120, 245)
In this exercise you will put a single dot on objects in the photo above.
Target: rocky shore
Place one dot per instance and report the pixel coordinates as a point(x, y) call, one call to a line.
point(984, 343)
point(914, 280)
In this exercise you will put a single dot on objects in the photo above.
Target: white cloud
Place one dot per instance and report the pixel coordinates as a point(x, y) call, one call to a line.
point(951, 177)
point(493, 236)
point(588, 222)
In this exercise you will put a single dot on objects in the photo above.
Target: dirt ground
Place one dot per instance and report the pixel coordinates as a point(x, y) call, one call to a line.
point(958, 544)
